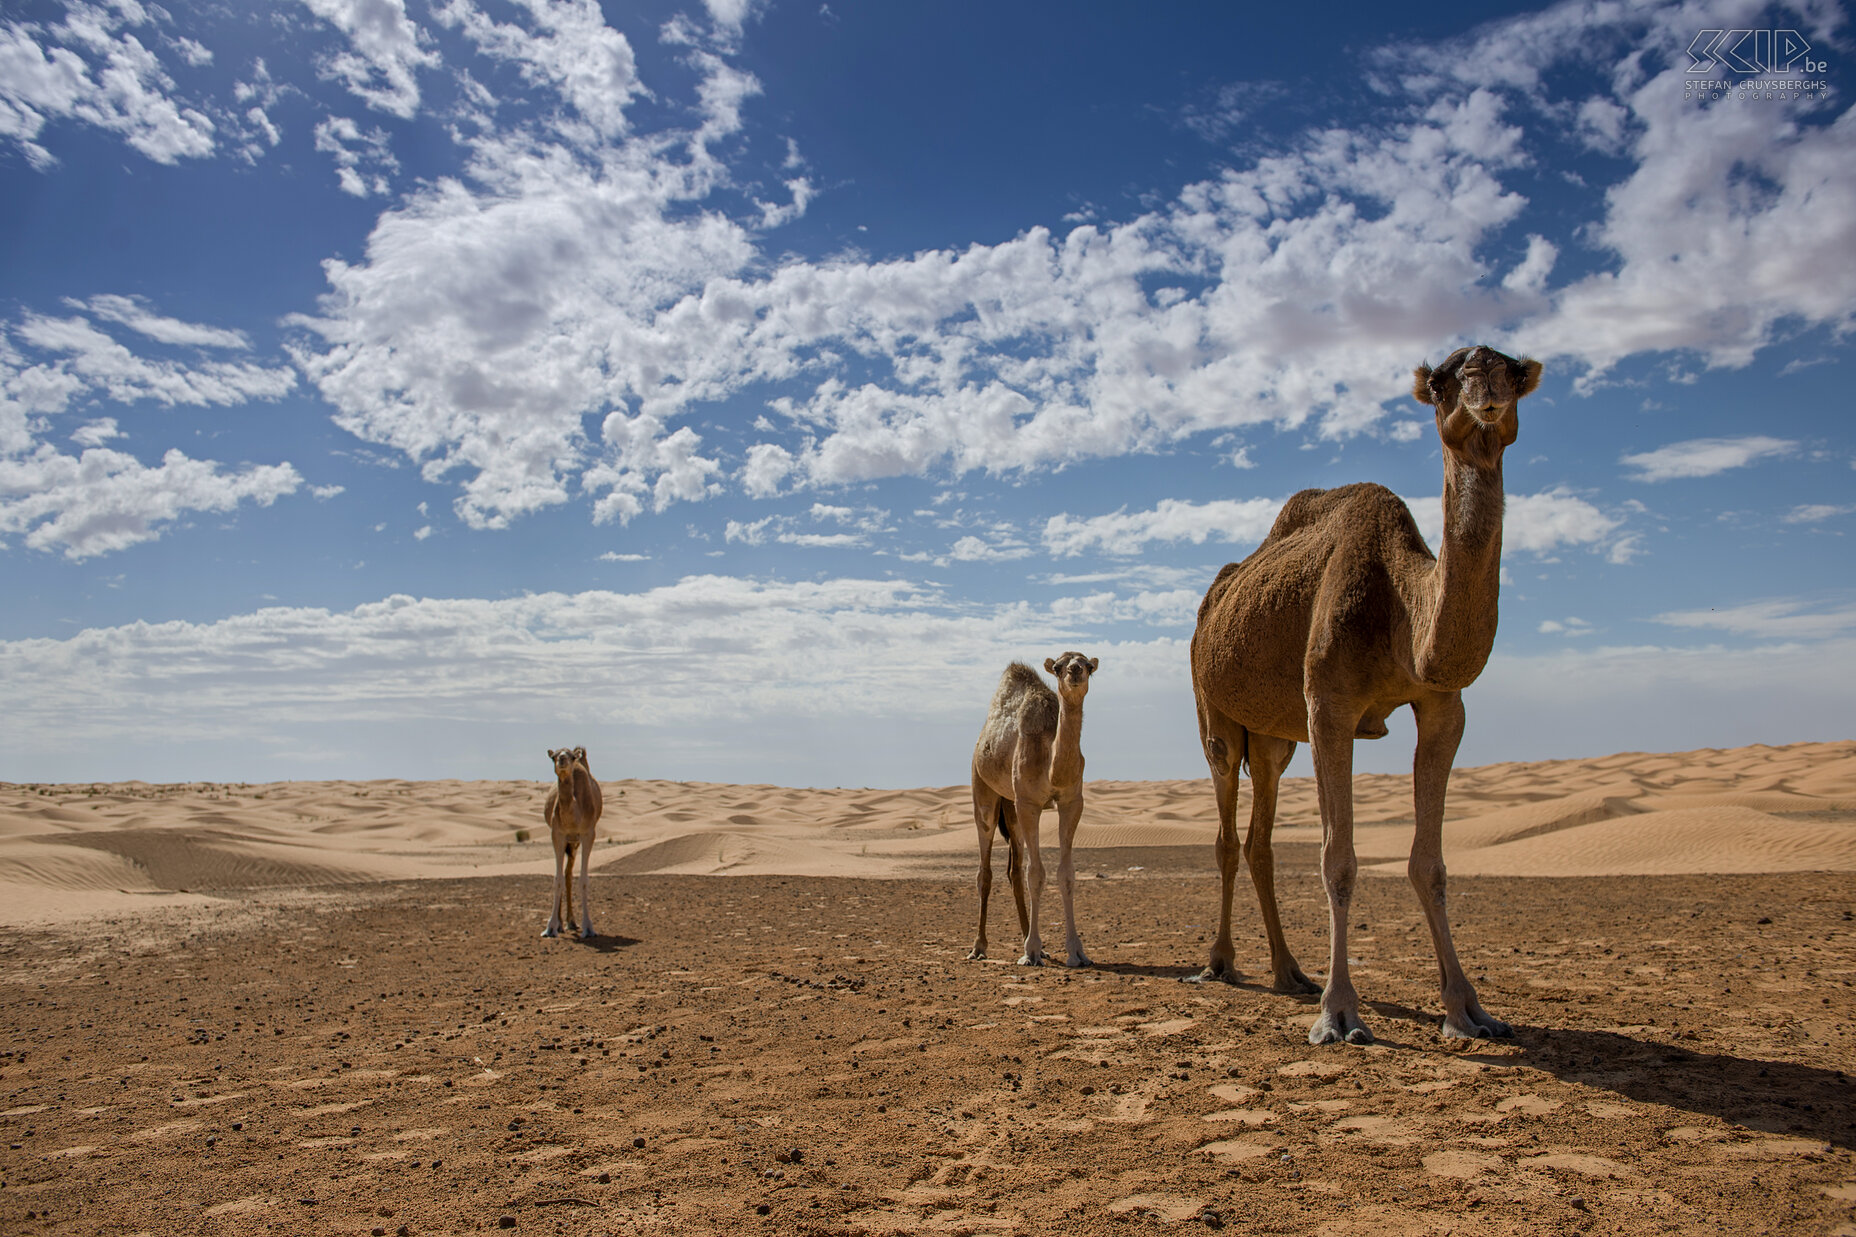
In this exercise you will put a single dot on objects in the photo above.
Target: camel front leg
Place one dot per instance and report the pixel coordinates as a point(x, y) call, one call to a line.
point(1268, 758)
point(1069, 815)
point(587, 931)
point(985, 821)
point(1224, 743)
point(1028, 814)
point(560, 883)
point(1440, 729)
point(1330, 736)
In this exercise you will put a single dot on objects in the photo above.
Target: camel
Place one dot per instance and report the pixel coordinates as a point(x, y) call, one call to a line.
point(1339, 617)
point(572, 813)
point(1029, 757)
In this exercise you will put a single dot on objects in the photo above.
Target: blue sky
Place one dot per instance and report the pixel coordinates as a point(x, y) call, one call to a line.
point(395, 388)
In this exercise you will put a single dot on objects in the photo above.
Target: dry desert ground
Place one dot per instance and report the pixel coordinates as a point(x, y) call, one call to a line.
point(325, 1008)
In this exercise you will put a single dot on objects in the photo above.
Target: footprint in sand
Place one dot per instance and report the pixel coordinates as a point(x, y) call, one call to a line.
point(1584, 1165)
point(1532, 1105)
point(1311, 1069)
point(1462, 1164)
point(1233, 1092)
point(1237, 1150)
point(1243, 1116)
point(1385, 1131)
point(1172, 1207)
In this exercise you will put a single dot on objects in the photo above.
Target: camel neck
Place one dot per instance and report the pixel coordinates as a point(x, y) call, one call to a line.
point(1457, 627)
point(1066, 754)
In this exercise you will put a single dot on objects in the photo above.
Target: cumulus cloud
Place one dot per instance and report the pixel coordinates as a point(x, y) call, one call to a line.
point(1537, 524)
point(107, 500)
point(581, 268)
point(1704, 457)
point(103, 500)
point(90, 69)
point(362, 160)
point(386, 49)
point(1239, 521)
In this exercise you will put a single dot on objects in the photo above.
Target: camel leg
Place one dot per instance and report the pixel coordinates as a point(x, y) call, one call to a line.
point(1223, 741)
point(1015, 864)
point(567, 885)
point(587, 931)
point(985, 821)
point(1268, 758)
point(1068, 816)
point(1031, 870)
point(560, 884)
point(1330, 737)
point(1440, 728)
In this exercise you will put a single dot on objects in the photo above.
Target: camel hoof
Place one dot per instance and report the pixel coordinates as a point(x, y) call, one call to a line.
point(1213, 974)
point(1337, 1028)
point(1473, 1027)
point(588, 934)
point(1296, 984)
point(1028, 960)
point(550, 931)
point(976, 954)
point(1078, 959)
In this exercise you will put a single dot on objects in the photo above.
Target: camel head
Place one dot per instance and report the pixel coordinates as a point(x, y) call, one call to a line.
point(1072, 671)
point(564, 761)
point(1476, 391)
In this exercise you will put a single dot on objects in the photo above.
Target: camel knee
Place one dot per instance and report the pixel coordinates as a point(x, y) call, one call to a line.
point(1427, 878)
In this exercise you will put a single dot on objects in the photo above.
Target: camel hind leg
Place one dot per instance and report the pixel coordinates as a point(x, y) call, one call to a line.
point(1068, 815)
point(1014, 862)
point(986, 818)
point(1268, 758)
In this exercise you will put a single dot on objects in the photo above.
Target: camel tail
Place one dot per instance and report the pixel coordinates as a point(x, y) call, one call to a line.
point(1011, 852)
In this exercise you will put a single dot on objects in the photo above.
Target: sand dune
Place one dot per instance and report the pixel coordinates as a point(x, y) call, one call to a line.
point(65, 850)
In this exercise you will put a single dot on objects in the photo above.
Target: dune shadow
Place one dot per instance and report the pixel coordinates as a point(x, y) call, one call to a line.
point(1773, 1097)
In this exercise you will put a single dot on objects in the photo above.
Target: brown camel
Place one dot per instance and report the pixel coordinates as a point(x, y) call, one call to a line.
point(572, 812)
point(1341, 616)
point(1030, 757)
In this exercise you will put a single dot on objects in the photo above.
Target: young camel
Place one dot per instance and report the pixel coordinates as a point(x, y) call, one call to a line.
point(1341, 616)
point(572, 813)
point(1029, 757)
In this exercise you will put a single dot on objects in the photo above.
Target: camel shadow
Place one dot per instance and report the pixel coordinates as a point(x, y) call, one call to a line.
point(1181, 973)
point(605, 944)
point(1773, 1097)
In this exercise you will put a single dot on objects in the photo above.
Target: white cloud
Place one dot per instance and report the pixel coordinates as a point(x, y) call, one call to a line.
point(325, 492)
point(107, 500)
point(613, 556)
point(1535, 524)
point(1571, 627)
point(362, 160)
point(90, 360)
point(1775, 619)
point(1704, 457)
point(134, 313)
point(387, 50)
point(1813, 513)
point(96, 433)
point(1239, 521)
point(90, 70)
point(570, 49)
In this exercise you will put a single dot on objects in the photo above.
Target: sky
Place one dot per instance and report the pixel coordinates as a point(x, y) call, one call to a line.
point(399, 388)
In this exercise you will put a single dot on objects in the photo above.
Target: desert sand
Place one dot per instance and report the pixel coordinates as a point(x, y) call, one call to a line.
point(325, 1007)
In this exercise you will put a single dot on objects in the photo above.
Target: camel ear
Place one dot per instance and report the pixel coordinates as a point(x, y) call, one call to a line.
point(1527, 377)
point(1093, 663)
point(552, 753)
point(1421, 385)
point(579, 753)
point(1050, 666)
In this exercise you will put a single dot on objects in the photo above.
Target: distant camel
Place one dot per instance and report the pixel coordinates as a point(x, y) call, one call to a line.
point(1339, 617)
point(1029, 757)
point(572, 813)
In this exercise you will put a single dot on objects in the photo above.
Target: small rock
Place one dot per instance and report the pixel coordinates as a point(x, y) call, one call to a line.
point(506, 1222)
point(1577, 1204)
point(605, 1179)
point(638, 1143)
point(795, 1155)
point(379, 1231)
point(762, 1210)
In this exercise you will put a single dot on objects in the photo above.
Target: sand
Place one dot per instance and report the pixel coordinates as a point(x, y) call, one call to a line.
point(323, 1007)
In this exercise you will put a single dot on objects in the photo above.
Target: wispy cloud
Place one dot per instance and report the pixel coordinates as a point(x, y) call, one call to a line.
point(1775, 619)
point(1238, 521)
point(1704, 457)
